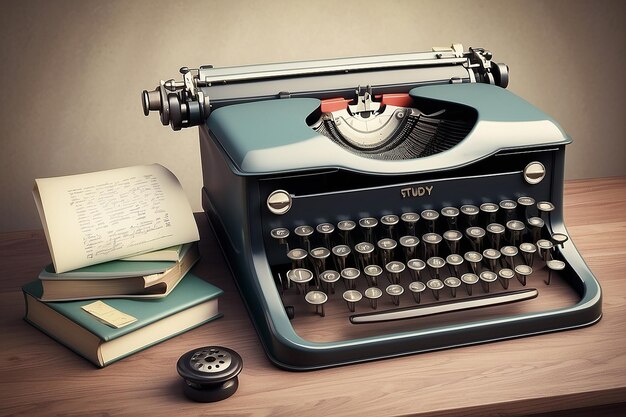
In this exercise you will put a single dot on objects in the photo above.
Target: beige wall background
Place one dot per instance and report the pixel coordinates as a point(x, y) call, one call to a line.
point(72, 72)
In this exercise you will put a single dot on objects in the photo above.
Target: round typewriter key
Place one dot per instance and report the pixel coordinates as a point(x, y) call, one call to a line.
point(297, 257)
point(372, 272)
point(373, 294)
point(301, 277)
point(453, 239)
point(554, 265)
point(431, 244)
point(281, 234)
point(409, 246)
point(416, 288)
point(386, 246)
point(509, 253)
point(329, 278)
point(559, 239)
point(528, 252)
point(395, 291)
point(319, 255)
point(536, 224)
point(470, 212)
point(364, 249)
point(431, 217)
point(340, 253)
point(279, 202)
point(317, 298)
point(394, 268)
point(492, 256)
point(525, 203)
point(508, 209)
point(476, 234)
point(345, 227)
point(450, 214)
point(352, 297)
point(469, 280)
point(436, 263)
point(389, 221)
point(415, 268)
point(349, 276)
point(522, 271)
point(409, 220)
point(486, 278)
point(544, 246)
point(326, 230)
point(456, 261)
point(544, 207)
point(474, 259)
point(505, 274)
point(515, 228)
point(495, 230)
point(304, 232)
point(368, 224)
point(435, 285)
point(489, 211)
point(453, 283)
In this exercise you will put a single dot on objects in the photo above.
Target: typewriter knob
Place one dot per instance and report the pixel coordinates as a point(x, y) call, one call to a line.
point(279, 202)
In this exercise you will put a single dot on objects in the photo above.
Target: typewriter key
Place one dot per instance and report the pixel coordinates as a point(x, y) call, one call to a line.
point(364, 249)
point(431, 217)
point(528, 252)
point(509, 252)
point(492, 256)
point(373, 294)
point(394, 268)
point(317, 298)
point(281, 234)
point(326, 230)
point(395, 291)
point(559, 239)
point(352, 297)
point(475, 235)
point(554, 265)
point(431, 244)
point(489, 211)
point(415, 268)
point(536, 224)
point(545, 207)
point(435, 285)
point(524, 206)
point(508, 210)
point(505, 274)
point(409, 246)
point(436, 263)
point(368, 224)
point(372, 272)
point(349, 276)
point(495, 230)
point(470, 212)
point(486, 278)
point(451, 215)
point(345, 227)
point(329, 278)
point(340, 254)
point(319, 255)
point(515, 228)
point(301, 277)
point(453, 283)
point(416, 288)
point(304, 232)
point(409, 220)
point(389, 221)
point(469, 280)
point(522, 271)
point(455, 260)
point(297, 257)
point(453, 239)
point(474, 259)
point(386, 246)
point(544, 246)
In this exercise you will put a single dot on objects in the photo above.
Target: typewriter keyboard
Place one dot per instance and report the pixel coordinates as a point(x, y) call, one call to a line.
point(419, 265)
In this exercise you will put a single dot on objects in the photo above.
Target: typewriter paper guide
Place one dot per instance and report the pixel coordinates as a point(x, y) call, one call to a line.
point(272, 136)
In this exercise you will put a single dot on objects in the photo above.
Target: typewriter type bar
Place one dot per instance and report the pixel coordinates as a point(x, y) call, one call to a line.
point(361, 189)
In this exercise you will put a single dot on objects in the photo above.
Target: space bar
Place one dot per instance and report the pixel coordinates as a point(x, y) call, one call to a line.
point(445, 307)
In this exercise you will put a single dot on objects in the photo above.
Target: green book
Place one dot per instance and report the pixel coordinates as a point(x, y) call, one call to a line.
point(193, 302)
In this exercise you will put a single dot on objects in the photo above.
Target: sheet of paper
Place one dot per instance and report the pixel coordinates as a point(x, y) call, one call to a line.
point(108, 315)
point(102, 216)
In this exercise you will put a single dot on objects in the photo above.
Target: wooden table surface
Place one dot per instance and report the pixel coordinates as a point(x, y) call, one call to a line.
point(558, 371)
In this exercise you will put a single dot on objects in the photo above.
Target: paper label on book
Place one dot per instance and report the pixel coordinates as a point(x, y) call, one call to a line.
point(109, 315)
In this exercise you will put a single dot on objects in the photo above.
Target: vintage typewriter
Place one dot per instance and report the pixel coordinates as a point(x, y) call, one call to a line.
point(382, 206)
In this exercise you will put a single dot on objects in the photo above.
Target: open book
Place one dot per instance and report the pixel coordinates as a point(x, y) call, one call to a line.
point(102, 216)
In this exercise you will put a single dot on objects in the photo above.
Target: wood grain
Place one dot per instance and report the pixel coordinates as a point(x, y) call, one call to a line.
point(557, 371)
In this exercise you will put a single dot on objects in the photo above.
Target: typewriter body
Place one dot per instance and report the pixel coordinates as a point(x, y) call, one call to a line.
point(382, 206)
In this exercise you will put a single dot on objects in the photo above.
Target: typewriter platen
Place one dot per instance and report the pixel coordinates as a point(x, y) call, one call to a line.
point(382, 206)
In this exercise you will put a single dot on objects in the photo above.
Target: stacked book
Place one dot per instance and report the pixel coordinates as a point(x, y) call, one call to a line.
point(122, 244)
